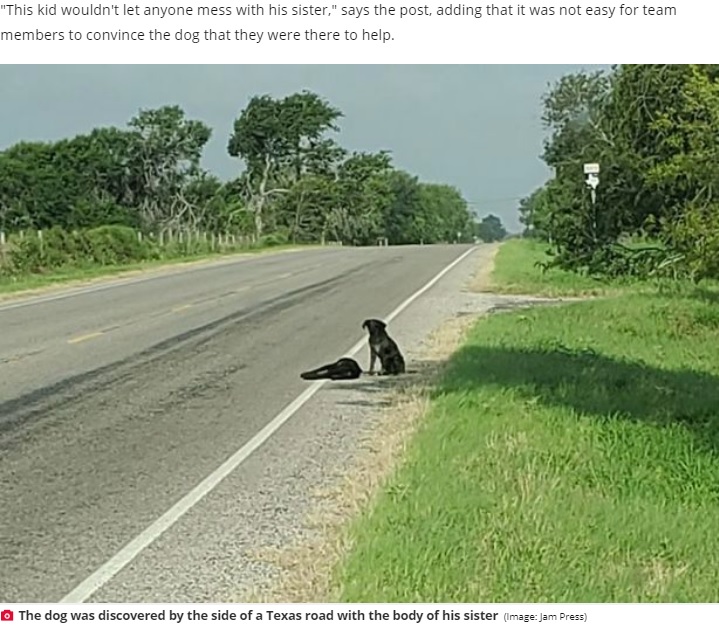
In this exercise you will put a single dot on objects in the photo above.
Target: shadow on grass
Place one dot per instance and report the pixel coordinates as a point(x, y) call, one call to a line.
point(591, 383)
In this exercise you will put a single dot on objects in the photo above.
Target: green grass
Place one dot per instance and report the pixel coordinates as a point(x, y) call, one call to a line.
point(28, 282)
point(571, 453)
point(516, 271)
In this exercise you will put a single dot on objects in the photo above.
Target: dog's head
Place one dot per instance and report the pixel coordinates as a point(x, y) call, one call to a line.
point(373, 325)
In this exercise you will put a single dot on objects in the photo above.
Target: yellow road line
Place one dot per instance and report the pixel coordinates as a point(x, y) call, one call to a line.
point(82, 338)
point(184, 307)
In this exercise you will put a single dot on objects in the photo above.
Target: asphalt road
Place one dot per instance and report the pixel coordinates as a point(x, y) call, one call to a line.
point(115, 401)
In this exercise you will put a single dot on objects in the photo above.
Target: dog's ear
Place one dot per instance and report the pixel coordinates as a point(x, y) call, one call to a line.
point(365, 323)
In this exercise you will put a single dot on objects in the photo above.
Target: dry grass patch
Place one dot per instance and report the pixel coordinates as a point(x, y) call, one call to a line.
point(482, 279)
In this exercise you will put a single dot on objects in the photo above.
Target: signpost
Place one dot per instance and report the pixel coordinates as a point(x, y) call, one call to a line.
point(591, 177)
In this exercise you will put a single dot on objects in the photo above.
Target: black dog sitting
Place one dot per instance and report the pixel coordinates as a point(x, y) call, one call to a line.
point(382, 346)
point(343, 369)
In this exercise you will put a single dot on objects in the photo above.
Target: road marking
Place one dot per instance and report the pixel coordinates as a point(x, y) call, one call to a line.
point(178, 309)
point(129, 552)
point(86, 337)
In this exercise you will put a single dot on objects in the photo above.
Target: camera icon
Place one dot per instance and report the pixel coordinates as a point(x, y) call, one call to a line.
point(6, 615)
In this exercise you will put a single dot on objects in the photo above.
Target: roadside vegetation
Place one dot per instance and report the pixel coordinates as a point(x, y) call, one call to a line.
point(116, 197)
point(523, 267)
point(152, 256)
point(570, 454)
point(571, 451)
point(654, 131)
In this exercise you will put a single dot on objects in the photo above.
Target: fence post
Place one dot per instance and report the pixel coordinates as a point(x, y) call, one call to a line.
point(2, 237)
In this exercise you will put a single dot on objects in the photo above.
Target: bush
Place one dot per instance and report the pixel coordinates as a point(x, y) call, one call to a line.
point(104, 246)
point(113, 245)
point(693, 237)
point(280, 237)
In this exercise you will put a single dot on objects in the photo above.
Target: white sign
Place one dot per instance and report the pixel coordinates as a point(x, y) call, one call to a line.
point(592, 168)
point(592, 181)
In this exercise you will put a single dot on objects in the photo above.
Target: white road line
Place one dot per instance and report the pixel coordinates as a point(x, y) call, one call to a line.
point(129, 552)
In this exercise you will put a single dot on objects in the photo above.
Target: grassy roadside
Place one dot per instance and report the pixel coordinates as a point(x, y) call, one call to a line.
point(516, 271)
point(73, 275)
point(570, 454)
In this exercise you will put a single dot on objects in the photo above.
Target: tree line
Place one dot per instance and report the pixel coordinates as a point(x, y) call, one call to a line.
point(295, 183)
point(654, 130)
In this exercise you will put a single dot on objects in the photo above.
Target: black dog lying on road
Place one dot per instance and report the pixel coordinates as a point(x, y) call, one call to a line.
point(382, 346)
point(343, 369)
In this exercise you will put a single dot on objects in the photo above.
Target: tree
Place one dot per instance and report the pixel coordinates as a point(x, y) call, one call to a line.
point(297, 182)
point(400, 217)
point(490, 229)
point(655, 131)
point(442, 215)
point(279, 138)
point(307, 117)
point(574, 112)
point(362, 194)
point(71, 183)
point(167, 149)
point(530, 214)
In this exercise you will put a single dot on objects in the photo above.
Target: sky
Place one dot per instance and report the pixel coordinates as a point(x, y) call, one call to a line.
point(476, 127)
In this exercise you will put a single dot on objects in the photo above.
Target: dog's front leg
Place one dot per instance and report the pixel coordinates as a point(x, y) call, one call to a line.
point(372, 360)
